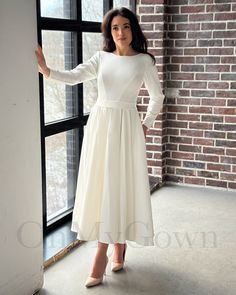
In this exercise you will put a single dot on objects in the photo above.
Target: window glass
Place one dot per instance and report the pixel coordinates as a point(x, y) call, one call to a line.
point(61, 171)
point(58, 8)
point(92, 10)
point(121, 3)
point(59, 99)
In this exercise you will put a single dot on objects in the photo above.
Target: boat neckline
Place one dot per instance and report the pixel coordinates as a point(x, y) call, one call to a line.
point(125, 55)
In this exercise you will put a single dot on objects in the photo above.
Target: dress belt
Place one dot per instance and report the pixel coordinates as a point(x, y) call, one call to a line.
point(116, 104)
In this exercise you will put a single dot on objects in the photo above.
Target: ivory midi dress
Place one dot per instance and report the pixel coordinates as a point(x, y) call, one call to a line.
point(112, 203)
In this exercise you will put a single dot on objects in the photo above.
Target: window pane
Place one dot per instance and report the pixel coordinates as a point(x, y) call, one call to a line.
point(58, 8)
point(91, 43)
point(121, 3)
point(92, 10)
point(59, 99)
point(61, 172)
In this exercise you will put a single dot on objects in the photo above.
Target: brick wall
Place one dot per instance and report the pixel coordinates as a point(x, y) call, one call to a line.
point(198, 135)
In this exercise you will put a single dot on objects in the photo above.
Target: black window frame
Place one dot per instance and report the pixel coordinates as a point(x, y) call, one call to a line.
point(78, 121)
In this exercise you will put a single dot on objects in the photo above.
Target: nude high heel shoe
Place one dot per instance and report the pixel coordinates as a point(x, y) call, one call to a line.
point(91, 281)
point(116, 266)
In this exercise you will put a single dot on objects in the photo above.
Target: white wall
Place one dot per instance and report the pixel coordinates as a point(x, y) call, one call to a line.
point(21, 248)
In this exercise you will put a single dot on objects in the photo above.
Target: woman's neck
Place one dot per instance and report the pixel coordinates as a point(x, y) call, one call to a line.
point(124, 51)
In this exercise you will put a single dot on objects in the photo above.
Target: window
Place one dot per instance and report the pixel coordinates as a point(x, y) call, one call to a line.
point(69, 33)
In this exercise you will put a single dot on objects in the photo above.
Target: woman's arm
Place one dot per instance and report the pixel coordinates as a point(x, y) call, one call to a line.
point(83, 72)
point(42, 66)
point(153, 86)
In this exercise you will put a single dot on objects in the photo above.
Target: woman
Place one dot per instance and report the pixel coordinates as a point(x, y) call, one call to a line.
point(112, 202)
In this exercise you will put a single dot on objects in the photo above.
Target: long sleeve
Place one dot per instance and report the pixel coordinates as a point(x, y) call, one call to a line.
point(153, 86)
point(83, 72)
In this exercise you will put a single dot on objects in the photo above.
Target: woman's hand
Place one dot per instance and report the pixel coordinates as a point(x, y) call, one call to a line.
point(144, 129)
point(42, 66)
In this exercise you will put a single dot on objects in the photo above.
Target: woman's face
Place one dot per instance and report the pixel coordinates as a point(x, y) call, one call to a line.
point(121, 31)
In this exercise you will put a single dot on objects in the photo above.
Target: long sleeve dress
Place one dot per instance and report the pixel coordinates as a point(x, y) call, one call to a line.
point(112, 203)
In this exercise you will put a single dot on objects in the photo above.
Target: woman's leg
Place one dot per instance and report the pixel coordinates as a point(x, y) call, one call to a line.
point(118, 252)
point(99, 262)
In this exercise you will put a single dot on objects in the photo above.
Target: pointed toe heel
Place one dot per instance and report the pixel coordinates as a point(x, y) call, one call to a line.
point(91, 281)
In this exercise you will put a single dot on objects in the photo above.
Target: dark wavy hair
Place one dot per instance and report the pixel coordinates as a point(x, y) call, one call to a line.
point(139, 41)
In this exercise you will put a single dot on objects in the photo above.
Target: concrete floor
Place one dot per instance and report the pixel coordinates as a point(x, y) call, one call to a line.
point(194, 252)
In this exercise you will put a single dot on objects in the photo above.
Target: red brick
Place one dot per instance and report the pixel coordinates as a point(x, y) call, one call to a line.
point(179, 155)
point(208, 174)
point(192, 9)
point(218, 167)
point(228, 160)
point(203, 141)
point(183, 59)
point(182, 76)
point(226, 143)
point(228, 176)
point(207, 158)
point(213, 26)
point(221, 51)
point(225, 111)
point(217, 68)
point(195, 85)
point(194, 164)
point(199, 35)
point(195, 133)
point(212, 150)
point(203, 110)
point(177, 124)
point(172, 162)
point(185, 172)
point(218, 85)
point(146, 9)
point(228, 77)
point(216, 183)
point(207, 126)
point(231, 25)
point(171, 147)
point(173, 178)
point(184, 92)
point(176, 35)
point(189, 148)
point(177, 139)
point(232, 185)
point(203, 93)
point(187, 117)
point(207, 77)
point(209, 43)
point(207, 59)
point(228, 59)
point(209, 118)
point(214, 134)
point(194, 180)
point(231, 152)
point(188, 27)
point(152, 18)
point(219, 7)
point(224, 34)
point(231, 135)
point(188, 101)
point(195, 51)
point(213, 102)
point(201, 17)
point(192, 68)
point(229, 119)
point(225, 127)
point(225, 16)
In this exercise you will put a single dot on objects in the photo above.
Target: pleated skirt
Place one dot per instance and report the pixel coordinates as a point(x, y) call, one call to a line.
point(112, 203)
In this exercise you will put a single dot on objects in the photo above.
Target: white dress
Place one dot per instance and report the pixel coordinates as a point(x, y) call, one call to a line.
point(112, 203)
